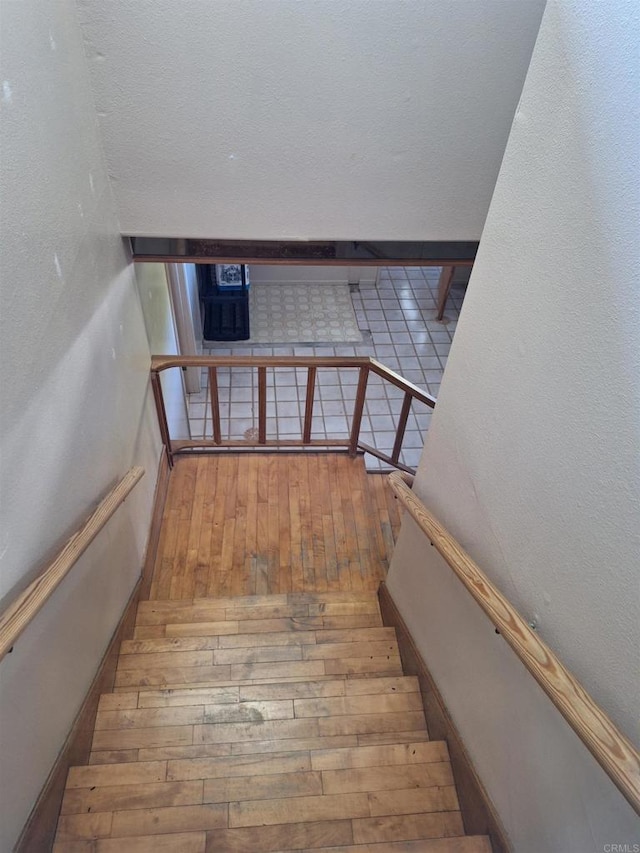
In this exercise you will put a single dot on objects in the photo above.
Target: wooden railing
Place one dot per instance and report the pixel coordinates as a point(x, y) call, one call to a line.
point(23, 609)
point(365, 366)
point(611, 749)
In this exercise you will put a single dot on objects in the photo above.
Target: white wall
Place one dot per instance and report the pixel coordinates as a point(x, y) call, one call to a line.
point(185, 298)
point(532, 458)
point(155, 299)
point(341, 120)
point(193, 298)
point(74, 408)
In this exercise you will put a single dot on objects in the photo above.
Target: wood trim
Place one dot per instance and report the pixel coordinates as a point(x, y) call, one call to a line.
point(159, 499)
point(40, 828)
point(611, 749)
point(478, 812)
point(25, 607)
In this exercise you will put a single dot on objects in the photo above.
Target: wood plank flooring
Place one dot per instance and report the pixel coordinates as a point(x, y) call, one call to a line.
point(258, 524)
point(260, 705)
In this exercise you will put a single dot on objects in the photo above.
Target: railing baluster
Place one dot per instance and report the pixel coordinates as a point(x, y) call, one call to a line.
point(262, 405)
point(308, 407)
point(444, 286)
point(215, 404)
point(402, 425)
point(162, 415)
point(358, 410)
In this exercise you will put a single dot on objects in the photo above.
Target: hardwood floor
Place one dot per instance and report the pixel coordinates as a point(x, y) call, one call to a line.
point(282, 721)
point(260, 524)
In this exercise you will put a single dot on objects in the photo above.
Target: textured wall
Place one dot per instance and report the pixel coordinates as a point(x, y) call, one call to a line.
point(155, 300)
point(349, 119)
point(532, 458)
point(73, 417)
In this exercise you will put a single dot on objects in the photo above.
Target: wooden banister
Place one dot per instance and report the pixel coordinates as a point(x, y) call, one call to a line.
point(20, 613)
point(611, 749)
point(163, 362)
point(363, 364)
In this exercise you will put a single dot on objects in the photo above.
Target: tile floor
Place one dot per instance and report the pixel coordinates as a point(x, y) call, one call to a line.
point(397, 318)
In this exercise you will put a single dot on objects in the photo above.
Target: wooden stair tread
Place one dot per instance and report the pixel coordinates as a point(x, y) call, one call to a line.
point(256, 640)
point(253, 626)
point(275, 729)
point(250, 691)
point(263, 723)
point(291, 605)
point(226, 674)
point(227, 650)
point(271, 599)
point(215, 750)
point(465, 844)
point(251, 839)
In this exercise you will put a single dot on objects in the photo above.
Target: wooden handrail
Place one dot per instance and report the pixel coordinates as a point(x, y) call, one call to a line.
point(402, 383)
point(162, 362)
point(611, 749)
point(23, 609)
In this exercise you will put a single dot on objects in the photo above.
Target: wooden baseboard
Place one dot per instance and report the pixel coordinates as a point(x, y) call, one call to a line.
point(478, 812)
point(160, 496)
point(39, 831)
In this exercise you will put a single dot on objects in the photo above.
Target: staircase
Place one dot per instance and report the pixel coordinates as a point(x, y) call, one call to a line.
point(263, 723)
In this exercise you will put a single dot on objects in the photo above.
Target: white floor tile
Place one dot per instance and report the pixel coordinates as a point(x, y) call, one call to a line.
point(399, 314)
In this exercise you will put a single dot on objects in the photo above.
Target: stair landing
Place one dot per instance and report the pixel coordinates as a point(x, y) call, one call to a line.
point(246, 524)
